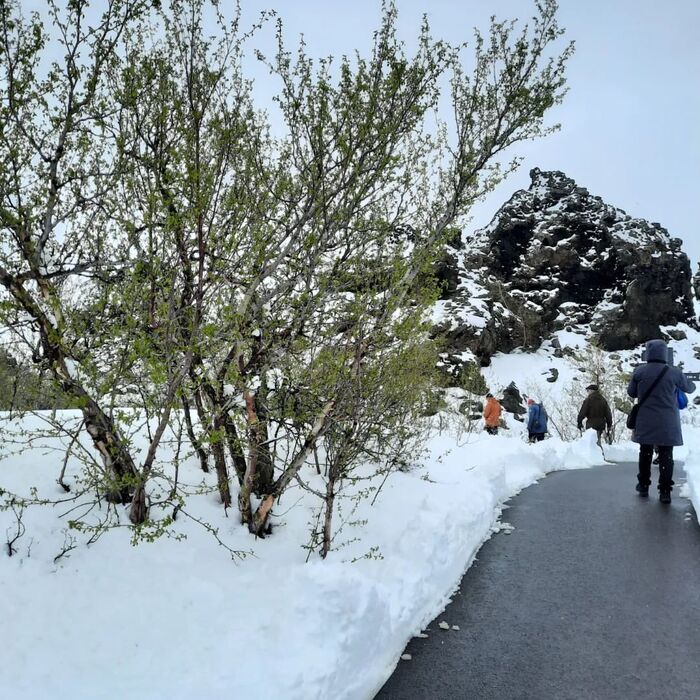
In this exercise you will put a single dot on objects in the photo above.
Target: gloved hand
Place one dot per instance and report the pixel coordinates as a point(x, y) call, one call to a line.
point(580, 426)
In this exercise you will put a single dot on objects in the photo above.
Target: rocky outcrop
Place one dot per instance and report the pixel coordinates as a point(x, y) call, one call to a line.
point(556, 257)
point(512, 401)
point(696, 282)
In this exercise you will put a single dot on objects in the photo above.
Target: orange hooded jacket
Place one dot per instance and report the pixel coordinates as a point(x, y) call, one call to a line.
point(492, 412)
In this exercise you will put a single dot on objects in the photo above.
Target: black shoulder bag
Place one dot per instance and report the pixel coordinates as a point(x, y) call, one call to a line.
point(632, 417)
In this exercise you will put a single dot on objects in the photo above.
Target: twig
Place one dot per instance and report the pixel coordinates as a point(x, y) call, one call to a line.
point(21, 529)
point(69, 450)
point(235, 553)
point(68, 546)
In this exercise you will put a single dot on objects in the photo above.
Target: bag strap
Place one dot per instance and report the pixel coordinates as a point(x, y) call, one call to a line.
point(653, 386)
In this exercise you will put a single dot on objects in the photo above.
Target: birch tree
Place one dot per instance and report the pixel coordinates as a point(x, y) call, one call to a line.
point(282, 239)
point(166, 247)
point(378, 191)
point(56, 174)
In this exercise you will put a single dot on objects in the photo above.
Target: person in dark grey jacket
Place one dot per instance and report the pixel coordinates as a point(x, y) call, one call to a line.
point(658, 421)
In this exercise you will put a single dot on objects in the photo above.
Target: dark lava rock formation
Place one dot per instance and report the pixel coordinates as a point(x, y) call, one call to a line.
point(556, 257)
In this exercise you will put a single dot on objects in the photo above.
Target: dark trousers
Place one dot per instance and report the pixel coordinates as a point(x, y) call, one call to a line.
point(536, 437)
point(646, 454)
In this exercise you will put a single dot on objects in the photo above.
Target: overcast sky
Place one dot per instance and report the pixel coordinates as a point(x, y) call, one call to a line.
point(630, 123)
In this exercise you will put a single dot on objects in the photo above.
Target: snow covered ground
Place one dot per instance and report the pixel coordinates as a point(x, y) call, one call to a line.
point(179, 618)
point(531, 372)
point(691, 488)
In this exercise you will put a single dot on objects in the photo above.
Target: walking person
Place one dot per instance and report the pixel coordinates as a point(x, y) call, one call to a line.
point(595, 410)
point(492, 414)
point(536, 421)
point(654, 385)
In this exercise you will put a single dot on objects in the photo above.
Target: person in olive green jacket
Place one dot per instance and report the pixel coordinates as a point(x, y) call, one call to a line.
point(595, 411)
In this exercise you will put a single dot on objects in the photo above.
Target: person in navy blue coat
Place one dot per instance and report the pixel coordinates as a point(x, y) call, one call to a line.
point(536, 421)
point(658, 420)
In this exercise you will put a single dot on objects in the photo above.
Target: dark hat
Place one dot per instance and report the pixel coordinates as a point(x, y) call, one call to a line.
point(489, 395)
point(592, 387)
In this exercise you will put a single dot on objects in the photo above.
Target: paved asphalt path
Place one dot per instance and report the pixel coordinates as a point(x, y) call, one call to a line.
point(594, 595)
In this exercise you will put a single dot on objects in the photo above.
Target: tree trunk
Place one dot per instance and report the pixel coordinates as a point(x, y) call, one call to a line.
point(216, 420)
point(248, 485)
point(234, 448)
point(119, 465)
point(265, 472)
point(116, 458)
point(199, 404)
point(139, 511)
point(328, 517)
point(218, 428)
point(222, 474)
point(260, 518)
point(196, 443)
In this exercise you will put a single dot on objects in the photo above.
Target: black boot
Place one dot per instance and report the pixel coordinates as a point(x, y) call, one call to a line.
point(642, 490)
point(665, 473)
point(646, 453)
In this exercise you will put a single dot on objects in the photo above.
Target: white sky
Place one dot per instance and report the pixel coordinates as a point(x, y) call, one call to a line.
point(630, 121)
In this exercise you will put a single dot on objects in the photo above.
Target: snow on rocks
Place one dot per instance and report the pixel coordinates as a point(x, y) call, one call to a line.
point(554, 257)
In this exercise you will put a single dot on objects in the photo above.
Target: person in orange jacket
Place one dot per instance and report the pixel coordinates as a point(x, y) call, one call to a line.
point(492, 414)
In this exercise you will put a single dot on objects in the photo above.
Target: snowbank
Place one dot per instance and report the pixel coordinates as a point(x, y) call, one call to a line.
point(179, 619)
point(532, 372)
point(691, 437)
